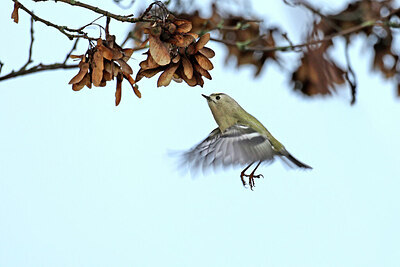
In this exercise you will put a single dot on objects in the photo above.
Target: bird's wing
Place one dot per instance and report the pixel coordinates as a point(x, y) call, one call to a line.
point(237, 145)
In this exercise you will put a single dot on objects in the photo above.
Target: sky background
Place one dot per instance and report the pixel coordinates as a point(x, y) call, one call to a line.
point(85, 183)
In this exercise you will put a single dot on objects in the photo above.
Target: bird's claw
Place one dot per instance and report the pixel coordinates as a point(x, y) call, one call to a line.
point(251, 177)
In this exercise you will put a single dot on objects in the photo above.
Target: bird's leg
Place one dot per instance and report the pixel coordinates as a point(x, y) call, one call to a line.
point(252, 176)
point(243, 174)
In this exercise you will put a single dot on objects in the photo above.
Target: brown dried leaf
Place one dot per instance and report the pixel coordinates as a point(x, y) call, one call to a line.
point(187, 67)
point(191, 49)
point(204, 62)
point(171, 28)
point(77, 56)
point(191, 82)
point(182, 40)
point(83, 69)
point(125, 67)
point(202, 41)
point(106, 52)
point(202, 71)
point(194, 35)
point(198, 78)
point(118, 90)
point(317, 74)
point(159, 51)
point(14, 14)
point(166, 77)
point(183, 26)
point(208, 52)
point(107, 76)
point(136, 90)
point(147, 73)
point(149, 63)
point(127, 52)
point(176, 58)
point(78, 86)
point(134, 87)
point(97, 67)
point(115, 69)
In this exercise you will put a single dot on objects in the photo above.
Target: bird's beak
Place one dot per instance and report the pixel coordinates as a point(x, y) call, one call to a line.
point(206, 97)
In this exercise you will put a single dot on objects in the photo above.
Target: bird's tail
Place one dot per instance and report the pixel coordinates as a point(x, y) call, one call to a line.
point(297, 162)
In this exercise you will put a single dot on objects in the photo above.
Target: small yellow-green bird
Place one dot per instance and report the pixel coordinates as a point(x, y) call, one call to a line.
point(239, 139)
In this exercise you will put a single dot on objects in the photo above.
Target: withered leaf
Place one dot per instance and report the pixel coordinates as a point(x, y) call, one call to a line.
point(202, 71)
point(155, 31)
point(183, 26)
point(127, 52)
point(117, 54)
point(208, 52)
point(159, 51)
point(77, 56)
point(166, 77)
point(191, 82)
point(107, 76)
point(176, 59)
point(134, 87)
point(317, 74)
point(187, 67)
point(149, 63)
point(85, 81)
point(181, 40)
point(14, 14)
point(198, 78)
point(97, 67)
point(171, 28)
point(191, 49)
point(147, 73)
point(202, 41)
point(83, 69)
point(118, 90)
point(204, 62)
point(106, 52)
point(125, 67)
point(194, 35)
point(136, 90)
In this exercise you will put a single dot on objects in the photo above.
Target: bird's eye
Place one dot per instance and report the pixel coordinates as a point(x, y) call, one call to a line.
point(217, 97)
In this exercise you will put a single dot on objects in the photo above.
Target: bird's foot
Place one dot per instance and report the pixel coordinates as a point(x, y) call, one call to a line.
point(251, 177)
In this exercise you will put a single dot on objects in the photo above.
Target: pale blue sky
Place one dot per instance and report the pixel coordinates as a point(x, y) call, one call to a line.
point(85, 183)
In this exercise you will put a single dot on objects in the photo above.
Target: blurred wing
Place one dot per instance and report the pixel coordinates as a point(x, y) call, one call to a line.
point(237, 145)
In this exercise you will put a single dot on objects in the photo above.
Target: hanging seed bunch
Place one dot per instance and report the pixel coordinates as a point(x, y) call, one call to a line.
point(174, 51)
point(102, 63)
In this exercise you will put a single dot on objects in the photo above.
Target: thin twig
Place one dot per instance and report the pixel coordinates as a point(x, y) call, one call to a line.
point(293, 47)
point(70, 52)
point(127, 18)
point(38, 68)
point(62, 29)
point(29, 61)
point(353, 80)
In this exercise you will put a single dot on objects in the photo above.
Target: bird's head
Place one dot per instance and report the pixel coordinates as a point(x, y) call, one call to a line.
point(220, 101)
point(224, 109)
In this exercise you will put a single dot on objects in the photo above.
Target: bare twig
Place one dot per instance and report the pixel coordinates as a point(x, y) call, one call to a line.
point(29, 61)
point(127, 18)
point(351, 80)
point(38, 68)
point(63, 29)
point(293, 47)
point(70, 52)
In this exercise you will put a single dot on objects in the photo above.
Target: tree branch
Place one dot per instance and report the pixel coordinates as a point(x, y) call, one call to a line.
point(38, 68)
point(127, 18)
point(293, 47)
point(63, 29)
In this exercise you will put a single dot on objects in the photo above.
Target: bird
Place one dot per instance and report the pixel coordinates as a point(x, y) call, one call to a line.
point(239, 139)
